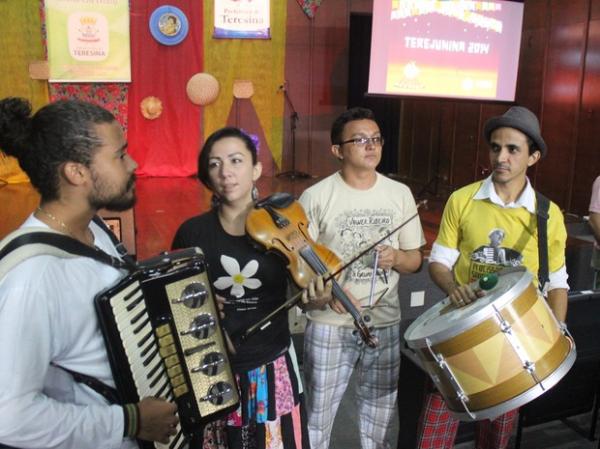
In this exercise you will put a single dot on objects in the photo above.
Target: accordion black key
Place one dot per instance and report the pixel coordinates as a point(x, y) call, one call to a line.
point(164, 339)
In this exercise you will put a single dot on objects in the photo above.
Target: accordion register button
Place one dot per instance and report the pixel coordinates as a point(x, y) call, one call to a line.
point(167, 351)
point(180, 390)
point(174, 371)
point(167, 340)
point(177, 380)
point(171, 361)
point(162, 330)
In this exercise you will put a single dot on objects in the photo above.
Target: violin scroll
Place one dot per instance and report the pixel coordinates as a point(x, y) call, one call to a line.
point(365, 334)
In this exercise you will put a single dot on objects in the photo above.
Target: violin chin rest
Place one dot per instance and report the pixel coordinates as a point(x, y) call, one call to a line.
point(279, 200)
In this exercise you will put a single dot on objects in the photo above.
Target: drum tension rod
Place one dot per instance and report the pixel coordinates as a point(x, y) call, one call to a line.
point(460, 393)
point(515, 343)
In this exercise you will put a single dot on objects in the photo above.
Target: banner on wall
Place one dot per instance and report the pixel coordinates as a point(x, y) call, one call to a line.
point(242, 19)
point(88, 40)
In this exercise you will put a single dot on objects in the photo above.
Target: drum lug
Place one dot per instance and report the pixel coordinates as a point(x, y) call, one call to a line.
point(565, 330)
point(506, 329)
point(445, 368)
point(530, 367)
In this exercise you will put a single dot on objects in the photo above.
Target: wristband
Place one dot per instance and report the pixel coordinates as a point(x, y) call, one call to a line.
point(131, 414)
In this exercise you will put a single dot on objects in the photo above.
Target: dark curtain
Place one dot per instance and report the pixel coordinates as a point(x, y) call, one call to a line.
point(386, 109)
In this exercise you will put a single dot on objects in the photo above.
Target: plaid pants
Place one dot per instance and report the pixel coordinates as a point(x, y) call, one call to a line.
point(437, 428)
point(331, 353)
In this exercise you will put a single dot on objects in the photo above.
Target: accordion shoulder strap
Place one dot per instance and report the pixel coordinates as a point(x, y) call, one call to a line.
point(35, 241)
point(118, 244)
point(110, 394)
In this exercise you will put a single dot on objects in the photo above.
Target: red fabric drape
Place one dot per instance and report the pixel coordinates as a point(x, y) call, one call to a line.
point(168, 145)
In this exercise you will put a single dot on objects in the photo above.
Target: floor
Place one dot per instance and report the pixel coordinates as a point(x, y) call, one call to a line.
point(163, 203)
point(571, 433)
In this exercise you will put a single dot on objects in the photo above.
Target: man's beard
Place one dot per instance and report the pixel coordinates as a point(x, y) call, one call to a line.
point(118, 203)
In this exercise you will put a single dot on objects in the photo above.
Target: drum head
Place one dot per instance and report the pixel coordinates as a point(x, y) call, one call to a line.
point(444, 320)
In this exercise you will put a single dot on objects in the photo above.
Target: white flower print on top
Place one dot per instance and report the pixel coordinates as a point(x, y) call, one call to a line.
point(237, 279)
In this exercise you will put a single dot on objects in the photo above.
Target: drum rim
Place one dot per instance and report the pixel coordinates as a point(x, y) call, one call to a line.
point(527, 396)
point(476, 318)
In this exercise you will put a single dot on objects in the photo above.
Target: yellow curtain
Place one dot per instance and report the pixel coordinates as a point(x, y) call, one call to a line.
point(21, 43)
point(257, 60)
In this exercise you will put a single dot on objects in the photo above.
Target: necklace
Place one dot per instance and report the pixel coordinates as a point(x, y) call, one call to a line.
point(63, 226)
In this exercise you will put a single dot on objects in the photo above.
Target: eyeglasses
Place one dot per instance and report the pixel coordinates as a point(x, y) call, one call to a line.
point(363, 141)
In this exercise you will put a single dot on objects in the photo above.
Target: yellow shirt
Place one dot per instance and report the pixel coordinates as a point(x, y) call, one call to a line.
point(489, 237)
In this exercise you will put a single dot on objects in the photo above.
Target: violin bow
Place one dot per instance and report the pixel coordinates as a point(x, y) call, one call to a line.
point(291, 302)
point(373, 245)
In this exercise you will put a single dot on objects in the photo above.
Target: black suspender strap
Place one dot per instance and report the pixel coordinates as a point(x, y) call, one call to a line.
point(74, 246)
point(65, 243)
point(110, 394)
point(118, 244)
point(542, 206)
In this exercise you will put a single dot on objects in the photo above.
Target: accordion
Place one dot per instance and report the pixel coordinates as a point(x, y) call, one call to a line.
point(164, 339)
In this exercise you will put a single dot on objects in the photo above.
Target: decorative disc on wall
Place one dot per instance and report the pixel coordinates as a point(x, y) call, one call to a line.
point(151, 107)
point(168, 25)
point(202, 89)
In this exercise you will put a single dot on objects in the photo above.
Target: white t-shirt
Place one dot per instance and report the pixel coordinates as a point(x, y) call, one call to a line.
point(348, 220)
point(47, 316)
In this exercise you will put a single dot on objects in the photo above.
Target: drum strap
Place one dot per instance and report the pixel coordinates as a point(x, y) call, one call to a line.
point(543, 204)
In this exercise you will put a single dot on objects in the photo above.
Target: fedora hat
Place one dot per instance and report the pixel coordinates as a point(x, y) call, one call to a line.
point(519, 118)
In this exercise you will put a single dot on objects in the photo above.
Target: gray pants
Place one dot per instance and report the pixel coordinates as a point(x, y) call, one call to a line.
point(331, 354)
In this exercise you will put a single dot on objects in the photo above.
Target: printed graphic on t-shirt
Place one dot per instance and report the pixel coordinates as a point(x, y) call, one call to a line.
point(493, 257)
point(239, 280)
point(357, 230)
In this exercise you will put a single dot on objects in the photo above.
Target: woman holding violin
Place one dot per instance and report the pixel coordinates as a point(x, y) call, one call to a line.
point(250, 283)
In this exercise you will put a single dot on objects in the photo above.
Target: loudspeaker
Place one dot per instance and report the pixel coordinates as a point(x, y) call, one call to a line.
point(578, 256)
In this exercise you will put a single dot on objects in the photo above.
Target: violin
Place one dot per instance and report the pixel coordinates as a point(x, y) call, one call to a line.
point(279, 223)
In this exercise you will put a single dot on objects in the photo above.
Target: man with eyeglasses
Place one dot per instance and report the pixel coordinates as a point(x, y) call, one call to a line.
point(348, 211)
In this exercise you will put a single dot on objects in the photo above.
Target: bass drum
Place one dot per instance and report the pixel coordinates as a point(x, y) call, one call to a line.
point(495, 354)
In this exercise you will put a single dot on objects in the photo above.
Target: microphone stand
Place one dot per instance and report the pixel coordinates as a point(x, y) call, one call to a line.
point(293, 173)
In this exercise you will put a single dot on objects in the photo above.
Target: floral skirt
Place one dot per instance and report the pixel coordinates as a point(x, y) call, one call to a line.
point(271, 414)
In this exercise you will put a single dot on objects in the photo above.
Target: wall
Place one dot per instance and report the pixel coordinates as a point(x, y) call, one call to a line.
point(316, 70)
point(558, 80)
point(440, 140)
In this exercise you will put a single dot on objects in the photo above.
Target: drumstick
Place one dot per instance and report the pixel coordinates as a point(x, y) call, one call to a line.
point(488, 281)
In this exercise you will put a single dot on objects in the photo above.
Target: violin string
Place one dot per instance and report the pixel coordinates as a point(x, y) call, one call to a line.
point(320, 268)
point(296, 297)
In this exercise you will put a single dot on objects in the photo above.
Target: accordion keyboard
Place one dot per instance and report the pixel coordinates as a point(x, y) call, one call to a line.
point(141, 347)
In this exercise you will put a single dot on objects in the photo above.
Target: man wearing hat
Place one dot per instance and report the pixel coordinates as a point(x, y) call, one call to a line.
point(504, 202)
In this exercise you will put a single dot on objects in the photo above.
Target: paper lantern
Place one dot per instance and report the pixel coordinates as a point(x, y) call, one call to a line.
point(243, 89)
point(151, 107)
point(202, 89)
